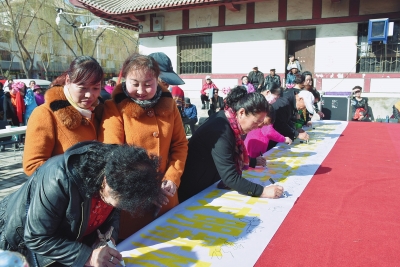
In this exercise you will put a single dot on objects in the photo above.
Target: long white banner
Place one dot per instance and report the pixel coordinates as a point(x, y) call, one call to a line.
point(224, 228)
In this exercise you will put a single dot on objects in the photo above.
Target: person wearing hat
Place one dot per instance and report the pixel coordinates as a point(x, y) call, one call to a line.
point(359, 105)
point(205, 92)
point(141, 112)
point(256, 78)
point(13, 103)
point(190, 115)
point(272, 78)
point(178, 95)
point(293, 61)
point(291, 76)
point(286, 107)
point(39, 97)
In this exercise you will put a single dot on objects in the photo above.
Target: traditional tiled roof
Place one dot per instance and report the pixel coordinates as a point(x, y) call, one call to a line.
point(132, 6)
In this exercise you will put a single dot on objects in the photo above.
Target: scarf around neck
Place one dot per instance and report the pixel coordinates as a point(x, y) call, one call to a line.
point(87, 113)
point(145, 104)
point(241, 156)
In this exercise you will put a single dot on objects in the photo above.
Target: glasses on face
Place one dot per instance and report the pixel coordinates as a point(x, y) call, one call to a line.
point(216, 93)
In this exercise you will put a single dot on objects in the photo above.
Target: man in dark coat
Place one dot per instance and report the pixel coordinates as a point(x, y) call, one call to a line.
point(256, 78)
point(272, 77)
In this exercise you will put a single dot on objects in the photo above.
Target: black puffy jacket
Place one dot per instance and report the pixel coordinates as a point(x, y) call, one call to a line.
point(57, 217)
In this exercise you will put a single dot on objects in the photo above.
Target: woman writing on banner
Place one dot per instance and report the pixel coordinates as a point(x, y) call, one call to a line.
point(221, 137)
point(141, 113)
point(54, 218)
point(71, 113)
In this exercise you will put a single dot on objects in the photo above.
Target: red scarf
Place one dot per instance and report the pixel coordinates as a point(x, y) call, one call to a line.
point(241, 156)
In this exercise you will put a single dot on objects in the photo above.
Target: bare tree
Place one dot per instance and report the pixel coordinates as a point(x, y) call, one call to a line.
point(34, 37)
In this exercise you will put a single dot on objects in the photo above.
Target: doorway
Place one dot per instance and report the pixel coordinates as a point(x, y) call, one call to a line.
point(301, 44)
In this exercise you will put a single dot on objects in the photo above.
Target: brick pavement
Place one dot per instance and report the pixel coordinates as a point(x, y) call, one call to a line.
point(11, 174)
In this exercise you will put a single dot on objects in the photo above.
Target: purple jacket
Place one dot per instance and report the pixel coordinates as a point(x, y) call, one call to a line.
point(39, 99)
point(249, 87)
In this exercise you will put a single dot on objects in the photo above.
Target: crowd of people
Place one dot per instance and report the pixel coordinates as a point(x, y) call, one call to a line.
point(117, 157)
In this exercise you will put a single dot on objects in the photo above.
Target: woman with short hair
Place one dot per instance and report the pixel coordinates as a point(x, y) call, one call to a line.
point(221, 137)
point(54, 217)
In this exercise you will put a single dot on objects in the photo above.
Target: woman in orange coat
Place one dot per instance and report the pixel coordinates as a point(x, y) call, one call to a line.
point(71, 114)
point(143, 114)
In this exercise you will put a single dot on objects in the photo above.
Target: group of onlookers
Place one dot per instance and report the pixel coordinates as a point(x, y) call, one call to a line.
point(17, 102)
point(88, 158)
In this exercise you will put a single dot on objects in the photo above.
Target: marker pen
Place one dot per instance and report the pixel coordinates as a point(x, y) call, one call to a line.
point(273, 182)
point(111, 245)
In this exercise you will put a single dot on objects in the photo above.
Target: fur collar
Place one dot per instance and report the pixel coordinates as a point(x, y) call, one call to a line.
point(64, 112)
point(163, 108)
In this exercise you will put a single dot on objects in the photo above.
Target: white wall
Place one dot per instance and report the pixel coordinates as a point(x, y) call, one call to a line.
point(336, 48)
point(340, 85)
point(388, 85)
point(167, 46)
point(203, 17)
point(236, 17)
point(240, 51)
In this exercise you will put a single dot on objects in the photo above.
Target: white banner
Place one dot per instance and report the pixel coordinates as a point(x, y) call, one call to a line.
point(224, 228)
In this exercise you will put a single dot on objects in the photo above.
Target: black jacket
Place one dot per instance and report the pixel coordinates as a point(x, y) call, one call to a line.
point(273, 79)
point(9, 110)
point(58, 214)
point(211, 158)
point(284, 111)
point(256, 79)
point(213, 105)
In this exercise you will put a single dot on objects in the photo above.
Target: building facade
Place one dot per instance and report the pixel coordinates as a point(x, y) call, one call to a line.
point(227, 39)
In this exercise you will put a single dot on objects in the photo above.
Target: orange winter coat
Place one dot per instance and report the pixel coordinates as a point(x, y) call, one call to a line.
point(159, 130)
point(54, 127)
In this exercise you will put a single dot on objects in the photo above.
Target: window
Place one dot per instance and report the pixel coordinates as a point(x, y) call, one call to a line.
point(194, 54)
point(303, 34)
point(5, 55)
point(378, 57)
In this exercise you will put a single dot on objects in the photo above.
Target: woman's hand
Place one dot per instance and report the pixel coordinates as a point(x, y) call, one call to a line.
point(169, 187)
point(309, 123)
point(288, 140)
point(104, 256)
point(261, 161)
point(304, 136)
point(321, 115)
point(272, 191)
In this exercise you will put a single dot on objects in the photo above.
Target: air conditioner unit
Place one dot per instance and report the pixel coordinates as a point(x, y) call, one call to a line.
point(158, 24)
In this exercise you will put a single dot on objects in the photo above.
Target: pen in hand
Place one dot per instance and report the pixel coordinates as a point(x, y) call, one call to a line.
point(157, 210)
point(261, 155)
point(111, 245)
point(273, 182)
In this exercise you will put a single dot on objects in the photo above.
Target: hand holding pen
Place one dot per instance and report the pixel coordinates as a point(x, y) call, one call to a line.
point(273, 182)
point(168, 189)
point(261, 161)
point(105, 252)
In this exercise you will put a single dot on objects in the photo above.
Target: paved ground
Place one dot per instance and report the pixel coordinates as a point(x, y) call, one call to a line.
point(11, 174)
